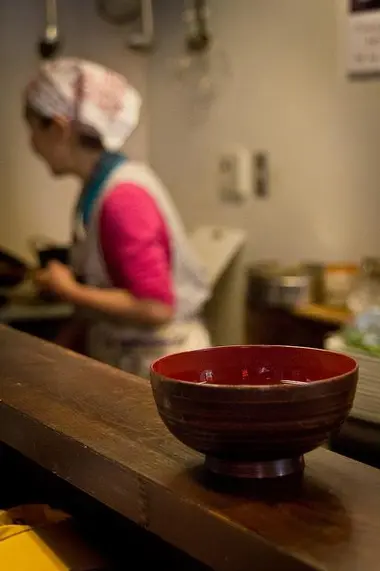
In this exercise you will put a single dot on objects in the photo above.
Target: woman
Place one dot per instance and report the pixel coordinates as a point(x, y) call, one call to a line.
point(134, 280)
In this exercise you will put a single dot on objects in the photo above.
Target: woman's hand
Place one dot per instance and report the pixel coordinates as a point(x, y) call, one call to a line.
point(57, 278)
point(116, 303)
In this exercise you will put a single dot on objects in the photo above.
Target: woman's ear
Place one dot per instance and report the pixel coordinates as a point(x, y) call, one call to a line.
point(61, 128)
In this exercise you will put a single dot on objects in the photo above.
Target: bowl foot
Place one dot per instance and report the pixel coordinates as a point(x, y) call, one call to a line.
point(255, 470)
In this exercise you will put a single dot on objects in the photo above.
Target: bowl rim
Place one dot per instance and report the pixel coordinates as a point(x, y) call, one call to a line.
point(284, 387)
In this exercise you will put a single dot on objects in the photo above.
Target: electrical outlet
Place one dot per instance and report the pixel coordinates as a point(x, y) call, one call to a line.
point(235, 175)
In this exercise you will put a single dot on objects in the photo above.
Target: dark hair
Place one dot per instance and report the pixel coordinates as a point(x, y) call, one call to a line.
point(87, 141)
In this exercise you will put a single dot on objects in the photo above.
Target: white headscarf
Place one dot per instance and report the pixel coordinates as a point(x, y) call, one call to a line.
point(100, 100)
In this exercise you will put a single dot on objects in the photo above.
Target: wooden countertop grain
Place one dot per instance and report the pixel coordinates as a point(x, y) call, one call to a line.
point(98, 429)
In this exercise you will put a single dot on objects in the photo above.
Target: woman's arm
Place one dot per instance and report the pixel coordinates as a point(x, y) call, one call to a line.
point(115, 303)
point(135, 245)
point(120, 304)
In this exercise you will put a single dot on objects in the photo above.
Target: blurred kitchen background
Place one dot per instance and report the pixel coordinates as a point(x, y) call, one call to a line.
point(270, 93)
point(280, 87)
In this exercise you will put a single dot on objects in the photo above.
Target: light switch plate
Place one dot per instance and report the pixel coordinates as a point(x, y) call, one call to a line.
point(235, 175)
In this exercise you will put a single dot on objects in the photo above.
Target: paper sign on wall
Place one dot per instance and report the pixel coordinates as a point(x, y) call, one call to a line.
point(364, 36)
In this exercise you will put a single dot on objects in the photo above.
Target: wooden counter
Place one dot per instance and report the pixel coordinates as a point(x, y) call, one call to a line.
point(323, 313)
point(98, 429)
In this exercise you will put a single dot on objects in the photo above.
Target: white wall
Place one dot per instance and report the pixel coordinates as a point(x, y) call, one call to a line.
point(285, 93)
point(31, 202)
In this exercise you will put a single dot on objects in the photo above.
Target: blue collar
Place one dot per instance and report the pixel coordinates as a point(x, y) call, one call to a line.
point(92, 189)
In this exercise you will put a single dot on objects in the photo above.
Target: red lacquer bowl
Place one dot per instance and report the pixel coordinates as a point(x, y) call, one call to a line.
point(232, 404)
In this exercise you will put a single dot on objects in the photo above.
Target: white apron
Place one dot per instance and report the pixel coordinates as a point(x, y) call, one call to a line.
point(126, 347)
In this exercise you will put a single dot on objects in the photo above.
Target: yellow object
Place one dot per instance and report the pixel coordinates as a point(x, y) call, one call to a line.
point(49, 543)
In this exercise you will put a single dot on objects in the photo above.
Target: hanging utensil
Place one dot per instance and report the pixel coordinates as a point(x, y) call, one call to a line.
point(118, 12)
point(143, 40)
point(50, 42)
point(198, 37)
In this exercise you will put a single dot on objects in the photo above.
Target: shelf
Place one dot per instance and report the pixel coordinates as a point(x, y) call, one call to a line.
point(323, 313)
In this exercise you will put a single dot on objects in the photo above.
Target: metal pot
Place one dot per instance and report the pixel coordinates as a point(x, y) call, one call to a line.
point(288, 291)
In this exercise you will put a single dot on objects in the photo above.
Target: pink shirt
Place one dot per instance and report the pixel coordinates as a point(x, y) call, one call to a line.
point(135, 243)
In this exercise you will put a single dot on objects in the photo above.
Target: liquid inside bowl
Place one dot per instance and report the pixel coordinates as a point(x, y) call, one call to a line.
point(254, 366)
point(262, 376)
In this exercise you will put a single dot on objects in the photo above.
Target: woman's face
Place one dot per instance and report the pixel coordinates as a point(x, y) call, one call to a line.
point(51, 142)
